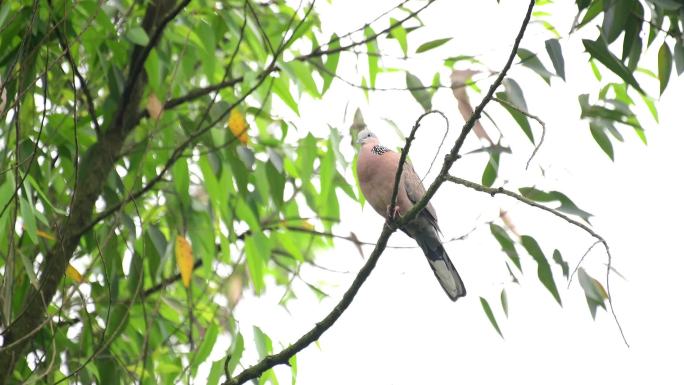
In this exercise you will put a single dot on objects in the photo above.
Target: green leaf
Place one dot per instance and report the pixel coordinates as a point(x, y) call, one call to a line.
point(664, 66)
point(507, 244)
point(281, 87)
point(263, 342)
point(373, 59)
point(679, 56)
point(257, 249)
point(650, 104)
point(558, 258)
point(530, 60)
point(236, 350)
point(632, 29)
point(515, 94)
point(138, 36)
point(215, 372)
point(302, 74)
point(555, 52)
point(419, 92)
point(599, 51)
point(181, 179)
point(594, 10)
point(432, 44)
point(153, 69)
point(306, 153)
point(449, 62)
point(593, 290)
point(504, 302)
point(292, 362)
point(615, 16)
point(599, 135)
point(29, 220)
point(488, 311)
point(566, 205)
point(205, 347)
point(399, 33)
point(543, 268)
point(519, 118)
point(491, 170)
point(330, 65)
point(28, 266)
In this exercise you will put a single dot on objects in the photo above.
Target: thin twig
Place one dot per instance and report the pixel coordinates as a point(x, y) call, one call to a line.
point(500, 190)
point(541, 123)
point(318, 52)
point(314, 334)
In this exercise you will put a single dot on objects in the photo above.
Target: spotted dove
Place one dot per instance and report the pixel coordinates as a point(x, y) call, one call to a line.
point(376, 168)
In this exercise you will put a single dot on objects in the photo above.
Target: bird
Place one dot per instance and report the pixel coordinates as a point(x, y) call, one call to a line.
point(376, 169)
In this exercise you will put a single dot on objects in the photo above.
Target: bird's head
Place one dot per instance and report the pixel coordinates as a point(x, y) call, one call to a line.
point(366, 136)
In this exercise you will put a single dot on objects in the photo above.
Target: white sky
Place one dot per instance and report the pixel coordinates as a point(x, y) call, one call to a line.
point(401, 328)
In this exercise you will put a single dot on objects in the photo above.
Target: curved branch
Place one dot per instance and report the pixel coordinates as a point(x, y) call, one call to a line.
point(315, 333)
point(500, 190)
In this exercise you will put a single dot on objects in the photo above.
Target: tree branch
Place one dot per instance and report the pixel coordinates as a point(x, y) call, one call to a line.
point(318, 52)
point(500, 190)
point(98, 162)
point(315, 333)
point(90, 104)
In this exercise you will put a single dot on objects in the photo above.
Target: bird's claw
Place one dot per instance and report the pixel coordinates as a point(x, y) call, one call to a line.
point(393, 214)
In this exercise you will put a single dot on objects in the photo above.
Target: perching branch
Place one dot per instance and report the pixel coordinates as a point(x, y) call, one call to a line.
point(500, 190)
point(315, 333)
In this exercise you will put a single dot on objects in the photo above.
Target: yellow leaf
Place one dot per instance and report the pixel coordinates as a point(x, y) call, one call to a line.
point(45, 235)
point(72, 273)
point(238, 125)
point(184, 259)
point(154, 107)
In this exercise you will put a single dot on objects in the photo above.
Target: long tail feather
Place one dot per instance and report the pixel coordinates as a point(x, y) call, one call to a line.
point(444, 270)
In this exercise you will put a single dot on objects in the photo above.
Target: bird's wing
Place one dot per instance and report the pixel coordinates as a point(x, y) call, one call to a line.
point(415, 191)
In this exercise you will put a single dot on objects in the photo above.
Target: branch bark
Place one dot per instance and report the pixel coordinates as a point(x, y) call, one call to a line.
point(315, 333)
point(97, 163)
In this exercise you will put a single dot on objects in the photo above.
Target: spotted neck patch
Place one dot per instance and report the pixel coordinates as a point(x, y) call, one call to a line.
point(379, 150)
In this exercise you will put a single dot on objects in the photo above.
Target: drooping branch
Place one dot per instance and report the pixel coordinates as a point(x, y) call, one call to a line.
point(500, 190)
point(315, 333)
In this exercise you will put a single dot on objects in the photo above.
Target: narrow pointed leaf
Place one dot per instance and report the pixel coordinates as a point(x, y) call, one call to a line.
point(664, 66)
point(432, 44)
point(553, 48)
point(490, 315)
point(544, 272)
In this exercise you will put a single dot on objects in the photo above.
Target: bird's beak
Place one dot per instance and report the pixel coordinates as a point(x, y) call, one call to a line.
point(359, 141)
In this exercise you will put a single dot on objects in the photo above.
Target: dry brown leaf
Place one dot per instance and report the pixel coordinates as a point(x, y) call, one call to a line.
point(235, 285)
point(154, 106)
point(458, 86)
point(184, 259)
point(238, 125)
point(508, 222)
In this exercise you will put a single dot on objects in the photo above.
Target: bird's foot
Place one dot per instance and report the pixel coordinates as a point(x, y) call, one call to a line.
point(393, 214)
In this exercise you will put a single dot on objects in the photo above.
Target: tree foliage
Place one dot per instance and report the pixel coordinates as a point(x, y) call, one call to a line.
point(148, 176)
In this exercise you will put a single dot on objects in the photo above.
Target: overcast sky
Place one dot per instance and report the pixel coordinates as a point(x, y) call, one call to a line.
point(401, 328)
